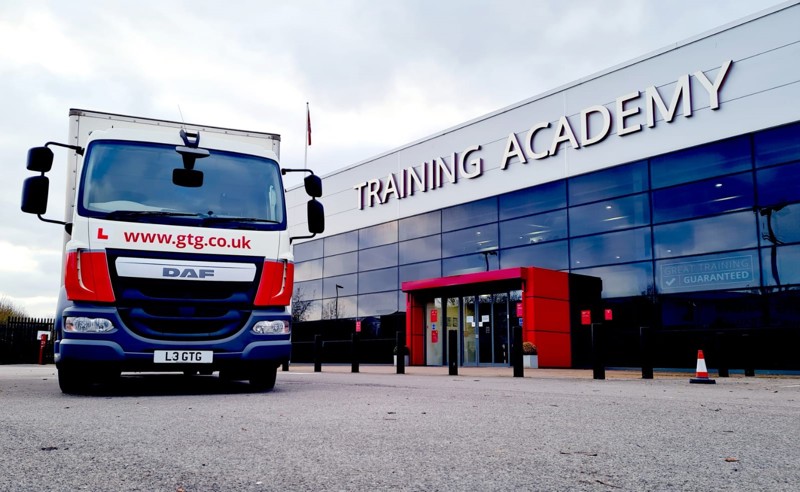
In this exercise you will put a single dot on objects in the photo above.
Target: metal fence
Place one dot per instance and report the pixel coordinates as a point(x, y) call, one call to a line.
point(20, 341)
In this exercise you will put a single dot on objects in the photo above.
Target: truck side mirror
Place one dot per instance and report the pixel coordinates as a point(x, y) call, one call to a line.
point(316, 217)
point(34, 194)
point(40, 159)
point(313, 186)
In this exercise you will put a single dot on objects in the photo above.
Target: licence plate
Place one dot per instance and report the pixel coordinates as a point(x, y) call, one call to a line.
point(183, 357)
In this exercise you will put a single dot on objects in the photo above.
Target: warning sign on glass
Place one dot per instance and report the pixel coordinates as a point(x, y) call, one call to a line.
point(586, 317)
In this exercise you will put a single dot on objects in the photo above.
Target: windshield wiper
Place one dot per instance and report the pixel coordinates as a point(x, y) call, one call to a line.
point(217, 220)
point(119, 214)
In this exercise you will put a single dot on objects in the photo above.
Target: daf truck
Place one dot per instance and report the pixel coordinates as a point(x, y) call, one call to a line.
point(177, 255)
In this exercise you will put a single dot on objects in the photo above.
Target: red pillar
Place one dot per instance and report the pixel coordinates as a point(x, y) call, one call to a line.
point(415, 329)
point(545, 295)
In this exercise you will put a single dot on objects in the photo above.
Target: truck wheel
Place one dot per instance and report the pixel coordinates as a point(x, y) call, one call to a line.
point(72, 380)
point(263, 378)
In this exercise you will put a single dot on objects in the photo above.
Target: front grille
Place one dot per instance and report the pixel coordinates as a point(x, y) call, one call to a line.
point(166, 309)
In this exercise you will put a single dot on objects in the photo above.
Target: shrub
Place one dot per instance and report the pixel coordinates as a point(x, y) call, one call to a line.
point(528, 348)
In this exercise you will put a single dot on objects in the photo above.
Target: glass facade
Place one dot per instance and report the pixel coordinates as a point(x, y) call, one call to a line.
point(710, 227)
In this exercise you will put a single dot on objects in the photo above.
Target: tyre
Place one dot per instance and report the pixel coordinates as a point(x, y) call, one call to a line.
point(73, 380)
point(263, 378)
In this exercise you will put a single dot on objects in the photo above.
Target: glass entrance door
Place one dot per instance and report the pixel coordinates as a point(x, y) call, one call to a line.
point(485, 331)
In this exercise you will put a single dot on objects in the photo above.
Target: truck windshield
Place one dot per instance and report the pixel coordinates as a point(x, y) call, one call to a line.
point(133, 181)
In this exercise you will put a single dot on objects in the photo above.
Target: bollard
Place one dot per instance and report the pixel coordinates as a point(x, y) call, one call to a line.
point(722, 355)
point(317, 353)
point(598, 362)
point(516, 353)
point(400, 343)
point(646, 349)
point(354, 352)
point(452, 352)
point(285, 366)
point(749, 367)
point(42, 345)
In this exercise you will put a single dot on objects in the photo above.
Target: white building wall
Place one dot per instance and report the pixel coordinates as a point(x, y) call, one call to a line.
point(761, 90)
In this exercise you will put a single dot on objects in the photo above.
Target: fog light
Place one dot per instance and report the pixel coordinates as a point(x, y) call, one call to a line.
point(88, 325)
point(280, 327)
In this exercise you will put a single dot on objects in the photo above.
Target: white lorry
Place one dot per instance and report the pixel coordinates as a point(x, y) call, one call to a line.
point(177, 255)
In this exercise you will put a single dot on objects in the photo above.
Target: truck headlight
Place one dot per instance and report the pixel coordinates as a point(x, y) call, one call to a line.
point(279, 327)
point(88, 325)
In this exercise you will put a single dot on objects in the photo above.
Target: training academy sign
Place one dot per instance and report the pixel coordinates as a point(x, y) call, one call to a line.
point(544, 139)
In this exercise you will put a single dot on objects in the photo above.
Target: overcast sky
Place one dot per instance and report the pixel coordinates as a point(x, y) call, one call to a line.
point(377, 73)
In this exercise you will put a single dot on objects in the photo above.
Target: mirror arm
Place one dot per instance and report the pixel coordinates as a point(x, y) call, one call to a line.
point(291, 239)
point(78, 150)
point(67, 225)
point(287, 170)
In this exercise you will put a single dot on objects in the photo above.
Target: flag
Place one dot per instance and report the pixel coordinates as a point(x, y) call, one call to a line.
point(308, 124)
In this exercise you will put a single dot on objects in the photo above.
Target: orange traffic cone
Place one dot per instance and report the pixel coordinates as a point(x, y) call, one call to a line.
point(701, 375)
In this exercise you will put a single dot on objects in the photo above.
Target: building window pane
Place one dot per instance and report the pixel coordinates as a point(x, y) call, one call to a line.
point(341, 243)
point(468, 214)
point(705, 161)
point(341, 264)
point(635, 279)
point(710, 197)
point(475, 240)
point(380, 257)
point(310, 250)
point(533, 229)
point(307, 311)
point(343, 307)
point(693, 237)
point(780, 226)
point(468, 264)
point(548, 196)
point(349, 285)
point(377, 281)
point(377, 304)
point(781, 265)
point(609, 183)
point(551, 255)
point(777, 145)
point(420, 271)
point(423, 249)
point(308, 291)
point(622, 213)
point(377, 235)
point(307, 270)
point(723, 271)
point(778, 185)
point(615, 247)
point(420, 225)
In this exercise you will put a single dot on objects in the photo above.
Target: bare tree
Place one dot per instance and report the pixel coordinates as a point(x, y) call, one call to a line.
point(10, 310)
point(300, 306)
point(330, 310)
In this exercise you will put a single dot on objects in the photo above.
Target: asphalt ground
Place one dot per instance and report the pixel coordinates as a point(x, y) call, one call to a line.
point(424, 430)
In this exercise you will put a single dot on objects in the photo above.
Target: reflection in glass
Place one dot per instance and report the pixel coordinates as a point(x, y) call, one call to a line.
point(341, 243)
point(420, 271)
point(609, 183)
point(705, 161)
point(341, 264)
point(309, 250)
point(470, 241)
point(348, 283)
point(423, 249)
point(420, 225)
point(307, 270)
point(551, 255)
point(468, 264)
point(468, 214)
point(693, 237)
point(710, 197)
point(781, 265)
point(780, 224)
point(377, 304)
point(380, 257)
point(548, 196)
point(377, 281)
point(777, 145)
point(377, 235)
point(307, 291)
point(778, 185)
point(614, 247)
point(533, 229)
point(633, 279)
point(622, 213)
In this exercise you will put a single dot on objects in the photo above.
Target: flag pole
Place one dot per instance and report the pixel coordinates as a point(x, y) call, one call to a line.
point(308, 135)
